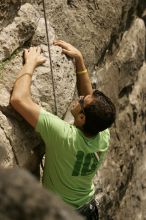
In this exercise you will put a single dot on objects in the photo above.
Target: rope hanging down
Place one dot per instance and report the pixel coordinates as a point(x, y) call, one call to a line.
point(49, 52)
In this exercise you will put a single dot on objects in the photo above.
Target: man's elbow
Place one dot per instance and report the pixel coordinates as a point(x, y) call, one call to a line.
point(15, 101)
point(18, 102)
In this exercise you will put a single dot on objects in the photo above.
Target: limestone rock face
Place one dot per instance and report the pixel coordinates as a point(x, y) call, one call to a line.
point(133, 202)
point(19, 31)
point(92, 26)
point(111, 36)
point(122, 80)
point(8, 11)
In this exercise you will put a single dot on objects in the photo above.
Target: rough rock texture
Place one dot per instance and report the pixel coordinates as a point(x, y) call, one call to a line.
point(92, 25)
point(19, 31)
point(122, 80)
point(133, 202)
point(111, 36)
point(20, 202)
point(8, 9)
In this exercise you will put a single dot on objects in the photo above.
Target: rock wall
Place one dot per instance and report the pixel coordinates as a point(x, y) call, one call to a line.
point(111, 36)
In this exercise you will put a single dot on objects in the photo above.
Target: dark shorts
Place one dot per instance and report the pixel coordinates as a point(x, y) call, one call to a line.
point(89, 211)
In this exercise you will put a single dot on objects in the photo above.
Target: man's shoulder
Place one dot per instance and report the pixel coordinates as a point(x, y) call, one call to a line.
point(48, 116)
point(104, 138)
point(49, 120)
point(105, 133)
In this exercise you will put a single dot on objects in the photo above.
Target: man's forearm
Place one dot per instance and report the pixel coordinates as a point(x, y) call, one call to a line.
point(23, 83)
point(83, 81)
point(21, 97)
point(80, 65)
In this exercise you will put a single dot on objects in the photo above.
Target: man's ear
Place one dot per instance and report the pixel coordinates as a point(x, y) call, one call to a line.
point(82, 118)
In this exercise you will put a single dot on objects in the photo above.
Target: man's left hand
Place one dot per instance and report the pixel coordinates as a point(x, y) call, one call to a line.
point(33, 57)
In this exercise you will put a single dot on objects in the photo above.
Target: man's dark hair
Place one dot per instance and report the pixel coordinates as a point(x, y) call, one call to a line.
point(100, 114)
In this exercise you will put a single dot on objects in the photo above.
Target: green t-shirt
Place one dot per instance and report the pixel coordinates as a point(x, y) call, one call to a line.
point(70, 161)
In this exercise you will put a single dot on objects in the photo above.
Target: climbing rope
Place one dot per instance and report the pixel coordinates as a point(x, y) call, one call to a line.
point(49, 52)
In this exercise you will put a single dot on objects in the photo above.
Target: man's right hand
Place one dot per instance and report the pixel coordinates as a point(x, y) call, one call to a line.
point(83, 82)
point(68, 49)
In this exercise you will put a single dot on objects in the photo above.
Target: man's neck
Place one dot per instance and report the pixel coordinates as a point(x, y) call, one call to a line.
point(85, 134)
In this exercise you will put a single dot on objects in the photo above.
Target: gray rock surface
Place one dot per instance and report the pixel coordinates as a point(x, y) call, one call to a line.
point(112, 39)
point(8, 10)
point(93, 26)
point(121, 79)
point(19, 31)
point(134, 200)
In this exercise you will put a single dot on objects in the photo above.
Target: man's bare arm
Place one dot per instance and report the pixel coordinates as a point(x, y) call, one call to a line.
point(21, 96)
point(83, 81)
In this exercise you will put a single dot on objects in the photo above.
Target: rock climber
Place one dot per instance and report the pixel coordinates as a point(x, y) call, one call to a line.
point(72, 152)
